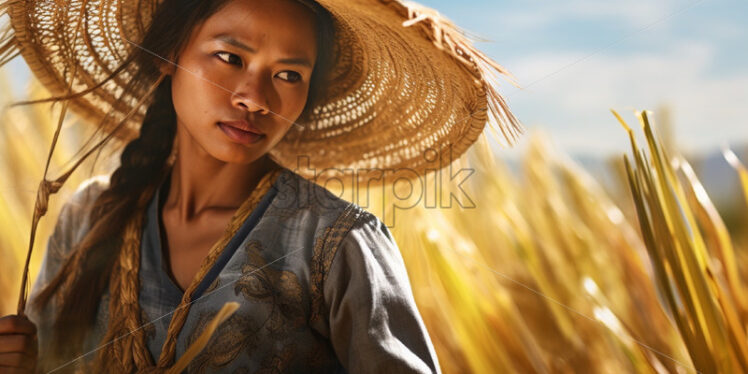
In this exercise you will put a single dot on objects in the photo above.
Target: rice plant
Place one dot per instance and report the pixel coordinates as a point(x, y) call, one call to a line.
point(25, 136)
point(693, 259)
point(538, 271)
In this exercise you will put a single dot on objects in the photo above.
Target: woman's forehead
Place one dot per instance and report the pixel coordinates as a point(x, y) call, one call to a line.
point(282, 23)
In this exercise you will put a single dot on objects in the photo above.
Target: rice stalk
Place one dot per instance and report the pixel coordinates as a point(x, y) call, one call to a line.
point(538, 271)
point(25, 135)
point(525, 251)
point(677, 220)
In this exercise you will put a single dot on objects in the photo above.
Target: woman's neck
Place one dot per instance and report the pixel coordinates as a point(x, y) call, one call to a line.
point(202, 184)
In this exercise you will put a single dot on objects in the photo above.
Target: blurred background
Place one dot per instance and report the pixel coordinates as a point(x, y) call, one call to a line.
point(575, 59)
point(562, 259)
point(686, 60)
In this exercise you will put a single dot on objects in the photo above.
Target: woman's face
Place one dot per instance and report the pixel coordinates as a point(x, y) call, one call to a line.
point(243, 78)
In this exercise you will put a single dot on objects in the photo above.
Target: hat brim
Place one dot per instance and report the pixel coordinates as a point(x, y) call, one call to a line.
point(396, 100)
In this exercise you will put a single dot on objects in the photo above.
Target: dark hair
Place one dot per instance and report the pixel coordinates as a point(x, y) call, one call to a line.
point(144, 161)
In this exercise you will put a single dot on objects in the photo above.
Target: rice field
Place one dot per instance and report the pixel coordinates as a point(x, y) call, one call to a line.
point(538, 271)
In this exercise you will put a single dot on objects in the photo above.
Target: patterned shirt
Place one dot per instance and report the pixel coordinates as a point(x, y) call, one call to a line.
point(320, 282)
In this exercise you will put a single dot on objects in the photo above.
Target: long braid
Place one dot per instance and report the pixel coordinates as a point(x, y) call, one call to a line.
point(145, 157)
point(142, 166)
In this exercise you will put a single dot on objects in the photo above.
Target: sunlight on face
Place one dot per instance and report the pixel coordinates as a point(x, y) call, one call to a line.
point(247, 67)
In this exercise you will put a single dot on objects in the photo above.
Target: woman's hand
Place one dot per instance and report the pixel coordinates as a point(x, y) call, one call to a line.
point(18, 345)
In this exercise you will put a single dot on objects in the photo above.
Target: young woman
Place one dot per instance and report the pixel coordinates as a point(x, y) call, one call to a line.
point(205, 207)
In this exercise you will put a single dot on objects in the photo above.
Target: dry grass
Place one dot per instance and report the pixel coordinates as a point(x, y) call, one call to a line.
point(695, 266)
point(25, 136)
point(545, 273)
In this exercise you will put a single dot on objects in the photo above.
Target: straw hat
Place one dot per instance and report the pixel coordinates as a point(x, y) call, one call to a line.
point(407, 90)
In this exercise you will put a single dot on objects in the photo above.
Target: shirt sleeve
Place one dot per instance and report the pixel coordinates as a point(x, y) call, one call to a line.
point(375, 326)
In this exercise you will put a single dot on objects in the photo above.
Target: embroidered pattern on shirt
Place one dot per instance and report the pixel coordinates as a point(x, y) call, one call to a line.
point(233, 336)
point(281, 292)
point(325, 248)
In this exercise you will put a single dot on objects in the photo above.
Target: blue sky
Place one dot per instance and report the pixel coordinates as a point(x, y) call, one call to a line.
point(576, 59)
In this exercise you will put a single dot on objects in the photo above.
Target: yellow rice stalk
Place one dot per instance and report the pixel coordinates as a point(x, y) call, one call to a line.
point(523, 251)
point(543, 274)
point(25, 135)
point(717, 237)
point(700, 305)
point(630, 271)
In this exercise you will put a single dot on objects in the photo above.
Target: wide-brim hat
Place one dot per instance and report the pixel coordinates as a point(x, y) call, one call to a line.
point(408, 91)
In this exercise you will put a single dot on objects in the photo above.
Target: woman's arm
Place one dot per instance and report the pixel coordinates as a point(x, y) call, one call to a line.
point(375, 326)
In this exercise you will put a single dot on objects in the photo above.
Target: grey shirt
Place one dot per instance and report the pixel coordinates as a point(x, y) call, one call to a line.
point(320, 282)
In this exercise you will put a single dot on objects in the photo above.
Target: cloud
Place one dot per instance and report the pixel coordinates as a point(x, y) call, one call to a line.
point(535, 16)
point(572, 106)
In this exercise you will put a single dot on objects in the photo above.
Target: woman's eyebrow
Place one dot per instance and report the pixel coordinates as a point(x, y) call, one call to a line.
point(228, 39)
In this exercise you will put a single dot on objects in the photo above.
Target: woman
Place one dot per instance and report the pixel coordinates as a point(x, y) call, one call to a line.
point(205, 209)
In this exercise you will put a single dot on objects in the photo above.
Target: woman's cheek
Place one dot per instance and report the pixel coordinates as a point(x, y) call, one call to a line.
point(296, 99)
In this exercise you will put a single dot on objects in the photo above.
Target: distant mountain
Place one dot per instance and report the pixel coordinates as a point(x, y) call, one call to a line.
point(720, 180)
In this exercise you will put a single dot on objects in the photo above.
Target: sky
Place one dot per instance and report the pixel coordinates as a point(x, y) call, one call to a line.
point(577, 59)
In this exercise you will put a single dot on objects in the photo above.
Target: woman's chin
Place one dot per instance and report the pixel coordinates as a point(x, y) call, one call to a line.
point(234, 156)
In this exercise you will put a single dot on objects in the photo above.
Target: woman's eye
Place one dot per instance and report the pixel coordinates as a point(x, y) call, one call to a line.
point(228, 59)
point(290, 76)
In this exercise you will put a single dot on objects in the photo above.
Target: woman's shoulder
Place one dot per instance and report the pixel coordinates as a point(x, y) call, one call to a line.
point(81, 200)
point(298, 196)
point(87, 192)
point(301, 205)
point(70, 227)
point(337, 221)
point(73, 219)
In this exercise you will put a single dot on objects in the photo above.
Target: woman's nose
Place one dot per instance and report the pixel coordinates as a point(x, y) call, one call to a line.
point(249, 96)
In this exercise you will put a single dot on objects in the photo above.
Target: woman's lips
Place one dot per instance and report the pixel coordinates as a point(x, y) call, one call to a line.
point(238, 135)
point(243, 125)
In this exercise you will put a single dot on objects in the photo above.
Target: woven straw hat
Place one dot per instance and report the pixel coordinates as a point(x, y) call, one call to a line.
point(407, 90)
